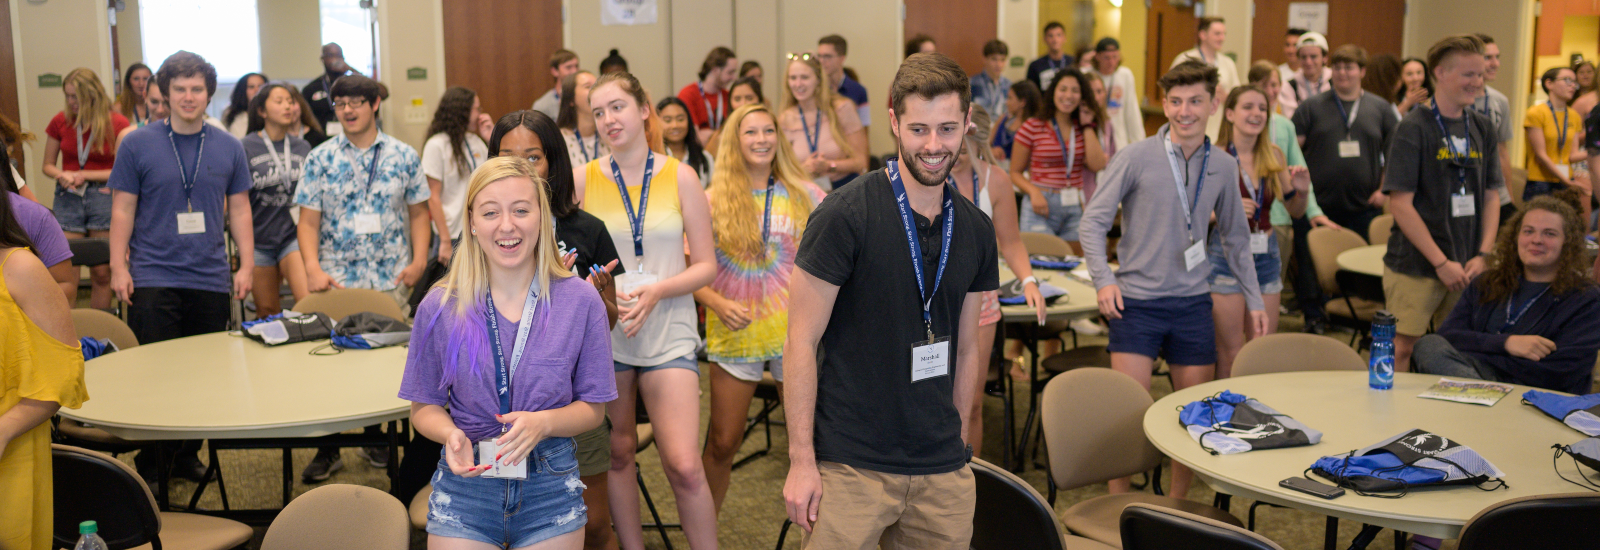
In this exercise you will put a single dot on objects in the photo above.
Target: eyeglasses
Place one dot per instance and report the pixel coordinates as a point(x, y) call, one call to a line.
point(800, 56)
point(351, 104)
point(1572, 81)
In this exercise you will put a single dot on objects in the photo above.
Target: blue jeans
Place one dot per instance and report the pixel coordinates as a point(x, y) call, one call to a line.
point(1269, 267)
point(1062, 221)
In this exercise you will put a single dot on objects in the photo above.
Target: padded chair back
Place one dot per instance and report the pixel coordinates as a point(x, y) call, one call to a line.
point(1518, 182)
point(1045, 243)
point(1093, 421)
point(94, 486)
point(1326, 243)
point(91, 251)
point(1379, 230)
point(1010, 515)
point(1542, 521)
point(99, 324)
point(339, 303)
point(340, 517)
point(1149, 527)
point(1295, 352)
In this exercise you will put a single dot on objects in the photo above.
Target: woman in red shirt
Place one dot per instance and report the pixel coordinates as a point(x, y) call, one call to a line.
point(84, 136)
point(1059, 149)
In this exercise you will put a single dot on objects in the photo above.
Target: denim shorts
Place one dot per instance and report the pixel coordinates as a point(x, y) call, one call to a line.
point(1062, 221)
point(686, 362)
point(1269, 268)
point(1178, 328)
point(90, 212)
point(1539, 188)
point(271, 257)
point(512, 513)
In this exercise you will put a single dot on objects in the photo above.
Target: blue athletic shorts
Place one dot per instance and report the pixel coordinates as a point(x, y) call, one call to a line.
point(1179, 329)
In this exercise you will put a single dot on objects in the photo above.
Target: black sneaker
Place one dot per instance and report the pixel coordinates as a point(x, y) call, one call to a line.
point(378, 457)
point(322, 466)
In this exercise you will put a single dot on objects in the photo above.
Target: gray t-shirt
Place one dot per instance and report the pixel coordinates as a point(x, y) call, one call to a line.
point(1344, 184)
point(272, 187)
point(1494, 105)
point(1419, 163)
point(548, 104)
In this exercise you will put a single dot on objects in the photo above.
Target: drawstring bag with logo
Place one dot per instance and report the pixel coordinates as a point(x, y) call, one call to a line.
point(1012, 293)
point(1581, 412)
point(366, 330)
point(289, 327)
point(1585, 453)
point(95, 347)
point(1229, 423)
point(1416, 458)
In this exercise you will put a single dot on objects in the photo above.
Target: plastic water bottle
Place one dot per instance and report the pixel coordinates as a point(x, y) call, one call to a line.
point(1380, 369)
point(89, 538)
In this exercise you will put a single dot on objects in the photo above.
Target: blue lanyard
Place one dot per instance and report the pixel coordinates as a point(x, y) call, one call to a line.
point(372, 165)
point(712, 118)
point(586, 155)
point(1459, 158)
point(1511, 320)
point(1067, 155)
point(1258, 194)
point(766, 215)
point(1057, 64)
point(188, 180)
point(916, 242)
point(504, 370)
point(1561, 142)
point(975, 185)
point(636, 223)
point(1182, 181)
point(811, 140)
point(1349, 117)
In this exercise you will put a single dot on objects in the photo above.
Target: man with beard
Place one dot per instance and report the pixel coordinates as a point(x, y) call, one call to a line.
point(319, 91)
point(876, 420)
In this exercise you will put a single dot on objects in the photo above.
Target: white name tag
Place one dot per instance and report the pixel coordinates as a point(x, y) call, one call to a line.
point(367, 224)
point(487, 449)
point(1258, 243)
point(1564, 170)
point(1194, 255)
point(1462, 205)
point(1349, 149)
point(930, 359)
point(631, 280)
point(190, 223)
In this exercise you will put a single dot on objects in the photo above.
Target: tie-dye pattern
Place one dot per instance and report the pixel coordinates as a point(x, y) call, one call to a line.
point(760, 284)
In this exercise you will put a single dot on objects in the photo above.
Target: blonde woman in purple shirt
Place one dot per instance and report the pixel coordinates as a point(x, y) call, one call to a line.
point(519, 350)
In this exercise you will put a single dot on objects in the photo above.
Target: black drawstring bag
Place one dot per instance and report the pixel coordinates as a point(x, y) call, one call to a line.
point(1416, 458)
point(289, 327)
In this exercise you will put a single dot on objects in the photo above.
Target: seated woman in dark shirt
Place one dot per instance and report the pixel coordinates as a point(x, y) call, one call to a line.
point(1531, 319)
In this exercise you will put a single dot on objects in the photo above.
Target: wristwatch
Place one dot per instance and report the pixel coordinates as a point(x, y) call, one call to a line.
point(1030, 279)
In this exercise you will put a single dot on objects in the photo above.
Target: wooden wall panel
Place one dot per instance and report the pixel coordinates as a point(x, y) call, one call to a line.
point(501, 49)
point(958, 27)
point(1377, 25)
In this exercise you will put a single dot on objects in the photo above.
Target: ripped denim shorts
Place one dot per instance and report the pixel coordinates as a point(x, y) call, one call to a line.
point(512, 513)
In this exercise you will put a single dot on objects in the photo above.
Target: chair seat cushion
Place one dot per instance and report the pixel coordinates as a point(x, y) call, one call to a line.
point(1076, 358)
point(419, 508)
point(1364, 309)
point(1100, 518)
point(200, 532)
point(1080, 543)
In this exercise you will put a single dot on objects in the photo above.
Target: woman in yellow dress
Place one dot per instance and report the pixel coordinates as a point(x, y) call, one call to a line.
point(41, 370)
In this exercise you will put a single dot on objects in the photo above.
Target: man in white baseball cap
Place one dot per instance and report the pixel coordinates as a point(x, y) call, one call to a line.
point(1314, 74)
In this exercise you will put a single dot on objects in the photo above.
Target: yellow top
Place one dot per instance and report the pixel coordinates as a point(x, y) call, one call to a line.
point(1549, 122)
point(33, 365)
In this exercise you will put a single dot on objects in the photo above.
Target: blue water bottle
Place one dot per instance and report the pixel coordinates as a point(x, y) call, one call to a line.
point(1380, 369)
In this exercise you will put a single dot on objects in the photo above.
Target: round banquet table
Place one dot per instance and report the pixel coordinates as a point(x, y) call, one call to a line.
point(1366, 260)
point(1512, 436)
point(1078, 303)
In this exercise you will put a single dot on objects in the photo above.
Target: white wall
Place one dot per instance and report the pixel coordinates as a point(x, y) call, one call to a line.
point(410, 34)
point(41, 49)
point(1510, 22)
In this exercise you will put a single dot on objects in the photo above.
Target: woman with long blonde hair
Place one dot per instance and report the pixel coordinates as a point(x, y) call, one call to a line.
point(84, 137)
point(1264, 177)
point(506, 303)
point(760, 199)
point(833, 155)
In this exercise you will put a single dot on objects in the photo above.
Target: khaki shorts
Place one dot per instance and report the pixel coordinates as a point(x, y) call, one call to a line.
point(864, 509)
point(594, 450)
point(1414, 301)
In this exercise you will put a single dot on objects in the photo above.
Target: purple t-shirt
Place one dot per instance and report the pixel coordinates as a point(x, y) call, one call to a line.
point(568, 358)
point(41, 226)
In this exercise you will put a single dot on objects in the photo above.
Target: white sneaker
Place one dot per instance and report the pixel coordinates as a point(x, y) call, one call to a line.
point(1087, 327)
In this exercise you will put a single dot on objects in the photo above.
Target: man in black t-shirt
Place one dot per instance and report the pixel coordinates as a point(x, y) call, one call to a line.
point(317, 92)
point(1343, 132)
point(877, 414)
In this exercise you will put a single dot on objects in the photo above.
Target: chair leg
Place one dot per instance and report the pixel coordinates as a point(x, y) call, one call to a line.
point(1222, 501)
point(1399, 540)
point(651, 504)
point(1330, 536)
point(1155, 481)
point(1050, 482)
point(783, 532)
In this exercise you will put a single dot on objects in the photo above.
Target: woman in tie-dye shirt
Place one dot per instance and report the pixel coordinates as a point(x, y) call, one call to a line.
point(760, 199)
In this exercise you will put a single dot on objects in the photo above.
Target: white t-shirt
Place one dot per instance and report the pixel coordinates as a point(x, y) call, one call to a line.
point(439, 162)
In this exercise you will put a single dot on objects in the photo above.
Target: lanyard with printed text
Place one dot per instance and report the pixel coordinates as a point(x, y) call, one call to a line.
point(1174, 156)
point(811, 140)
point(713, 114)
point(635, 222)
point(372, 165)
point(1257, 194)
point(1349, 116)
point(188, 180)
point(281, 163)
point(503, 370)
point(1069, 149)
point(1561, 142)
point(1459, 158)
point(1511, 320)
point(587, 156)
point(916, 242)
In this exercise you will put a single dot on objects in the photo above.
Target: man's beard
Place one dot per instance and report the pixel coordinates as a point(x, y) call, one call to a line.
point(924, 177)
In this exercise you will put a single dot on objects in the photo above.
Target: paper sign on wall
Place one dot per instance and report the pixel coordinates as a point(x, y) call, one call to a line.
point(627, 12)
point(1311, 16)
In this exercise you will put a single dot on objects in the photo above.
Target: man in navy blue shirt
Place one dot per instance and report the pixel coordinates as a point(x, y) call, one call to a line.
point(1044, 69)
point(831, 51)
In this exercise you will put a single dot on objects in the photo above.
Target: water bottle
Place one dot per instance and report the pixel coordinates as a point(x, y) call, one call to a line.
point(1380, 369)
point(88, 537)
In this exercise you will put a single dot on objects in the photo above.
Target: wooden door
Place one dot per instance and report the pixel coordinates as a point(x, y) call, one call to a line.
point(958, 27)
point(501, 49)
point(1171, 30)
point(9, 106)
point(1377, 25)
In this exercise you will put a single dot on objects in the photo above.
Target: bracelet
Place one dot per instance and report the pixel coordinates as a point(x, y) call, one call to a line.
point(1030, 279)
point(1437, 265)
point(1291, 194)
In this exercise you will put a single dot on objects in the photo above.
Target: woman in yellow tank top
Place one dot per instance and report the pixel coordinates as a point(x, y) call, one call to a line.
point(652, 206)
point(41, 370)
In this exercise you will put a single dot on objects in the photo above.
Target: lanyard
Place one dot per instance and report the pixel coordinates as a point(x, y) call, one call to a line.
point(587, 156)
point(991, 89)
point(188, 181)
point(83, 151)
point(916, 242)
point(1561, 142)
point(1069, 150)
point(372, 165)
point(1057, 64)
point(1458, 158)
point(503, 370)
point(811, 140)
point(281, 163)
point(636, 223)
point(1174, 156)
point(327, 92)
point(1350, 116)
point(1511, 320)
point(975, 184)
point(713, 115)
point(766, 215)
point(1257, 194)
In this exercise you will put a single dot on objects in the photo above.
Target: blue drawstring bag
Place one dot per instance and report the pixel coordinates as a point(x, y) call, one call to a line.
point(289, 327)
point(1012, 294)
point(1059, 263)
point(366, 330)
point(95, 347)
point(1229, 423)
point(1416, 458)
point(1586, 453)
point(1581, 412)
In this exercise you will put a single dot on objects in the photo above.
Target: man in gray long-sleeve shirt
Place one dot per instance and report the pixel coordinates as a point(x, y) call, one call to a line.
point(1159, 301)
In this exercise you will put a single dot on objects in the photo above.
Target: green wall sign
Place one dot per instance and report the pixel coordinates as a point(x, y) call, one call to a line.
point(49, 80)
point(416, 73)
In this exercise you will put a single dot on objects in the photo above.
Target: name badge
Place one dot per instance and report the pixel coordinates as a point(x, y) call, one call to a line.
point(487, 449)
point(367, 224)
point(930, 359)
point(1194, 255)
point(631, 280)
point(1349, 149)
point(1564, 170)
point(190, 223)
point(1258, 243)
point(1462, 205)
